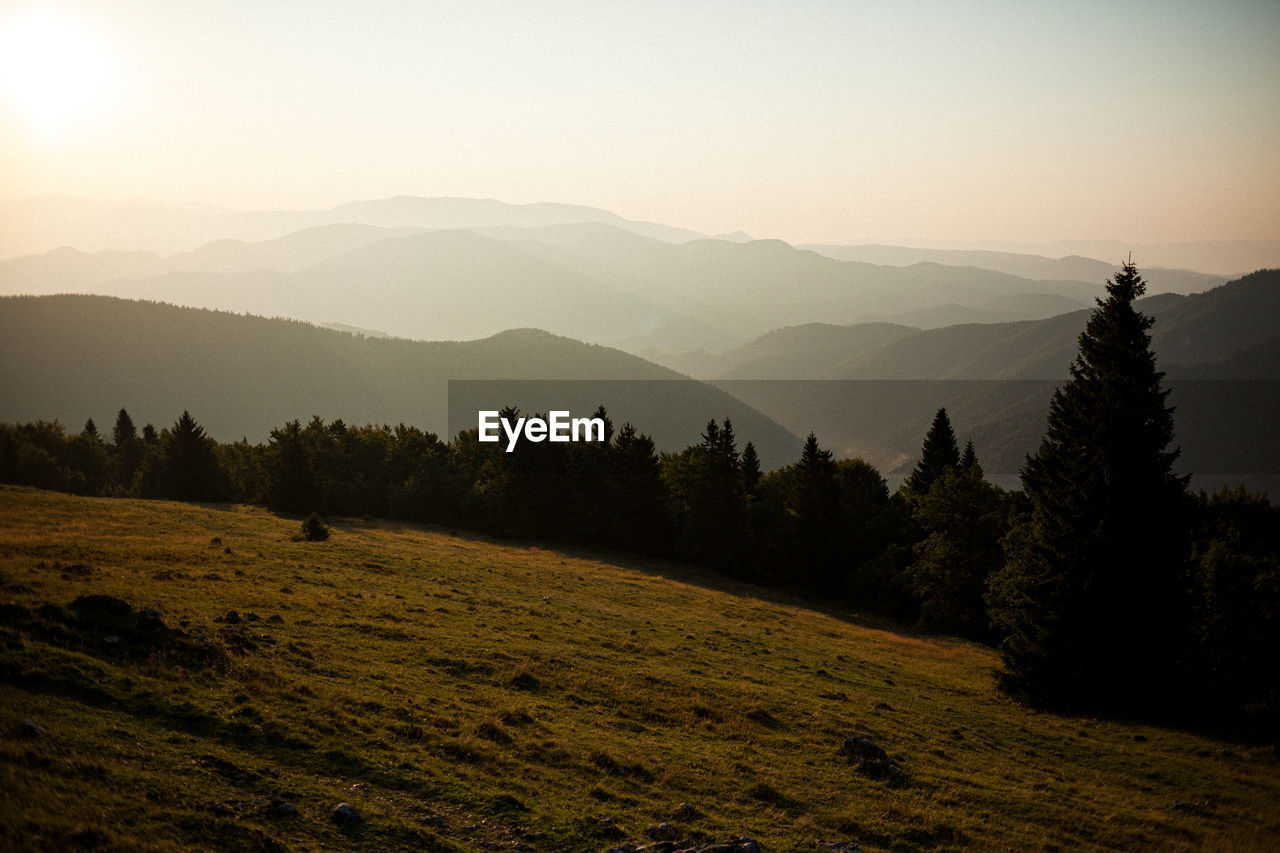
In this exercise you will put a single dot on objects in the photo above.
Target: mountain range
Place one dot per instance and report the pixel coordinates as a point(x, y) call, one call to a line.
point(446, 281)
point(592, 281)
point(75, 357)
point(1194, 330)
point(871, 389)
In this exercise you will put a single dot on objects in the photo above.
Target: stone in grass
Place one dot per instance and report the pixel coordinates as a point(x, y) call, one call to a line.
point(737, 845)
point(102, 610)
point(275, 619)
point(662, 832)
point(280, 807)
point(150, 619)
point(345, 815)
point(30, 728)
point(76, 570)
point(871, 759)
point(863, 749)
point(684, 811)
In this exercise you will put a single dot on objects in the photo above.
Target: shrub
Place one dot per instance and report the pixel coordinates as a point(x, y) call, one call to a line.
point(314, 529)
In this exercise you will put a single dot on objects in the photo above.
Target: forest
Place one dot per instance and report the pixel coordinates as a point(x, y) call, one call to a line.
point(1105, 582)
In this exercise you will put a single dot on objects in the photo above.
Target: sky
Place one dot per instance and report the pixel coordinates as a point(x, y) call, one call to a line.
point(805, 121)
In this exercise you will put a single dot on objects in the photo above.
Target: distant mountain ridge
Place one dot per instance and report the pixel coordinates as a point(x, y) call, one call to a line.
point(591, 281)
point(41, 224)
point(1198, 330)
point(871, 389)
point(1219, 258)
point(74, 357)
point(1070, 268)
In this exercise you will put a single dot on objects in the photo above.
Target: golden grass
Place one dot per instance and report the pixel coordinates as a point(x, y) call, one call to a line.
point(466, 693)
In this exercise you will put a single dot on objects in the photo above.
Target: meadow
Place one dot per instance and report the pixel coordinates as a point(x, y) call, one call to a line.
point(466, 693)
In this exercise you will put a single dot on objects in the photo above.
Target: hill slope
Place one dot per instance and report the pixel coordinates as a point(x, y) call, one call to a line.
point(464, 694)
point(74, 357)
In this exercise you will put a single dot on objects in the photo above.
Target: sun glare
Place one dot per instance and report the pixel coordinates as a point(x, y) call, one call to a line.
point(56, 71)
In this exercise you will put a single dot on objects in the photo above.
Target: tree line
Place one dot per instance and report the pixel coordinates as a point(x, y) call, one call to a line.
point(1106, 584)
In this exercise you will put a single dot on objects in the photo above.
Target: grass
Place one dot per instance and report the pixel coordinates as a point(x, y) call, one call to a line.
point(469, 694)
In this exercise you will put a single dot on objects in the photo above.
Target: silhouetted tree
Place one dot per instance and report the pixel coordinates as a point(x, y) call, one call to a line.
point(636, 514)
point(128, 449)
point(608, 424)
point(815, 503)
point(728, 445)
point(749, 466)
point(969, 459)
point(939, 453)
point(190, 469)
point(290, 465)
point(1089, 600)
point(872, 521)
point(709, 501)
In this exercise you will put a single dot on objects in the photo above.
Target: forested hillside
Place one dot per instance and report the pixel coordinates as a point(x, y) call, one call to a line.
point(75, 357)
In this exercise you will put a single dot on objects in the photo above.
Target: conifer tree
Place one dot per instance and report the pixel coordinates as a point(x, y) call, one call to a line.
point(749, 467)
point(608, 424)
point(969, 459)
point(728, 445)
point(191, 470)
point(124, 432)
point(1088, 601)
point(711, 438)
point(90, 431)
point(816, 504)
point(128, 448)
point(708, 496)
point(291, 471)
point(938, 454)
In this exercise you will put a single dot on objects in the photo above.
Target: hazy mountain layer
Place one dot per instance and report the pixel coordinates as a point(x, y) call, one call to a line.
point(1200, 329)
point(589, 281)
point(37, 225)
point(75, 357)
point(1221, 258)
point(871, 390)
point(1072, 267)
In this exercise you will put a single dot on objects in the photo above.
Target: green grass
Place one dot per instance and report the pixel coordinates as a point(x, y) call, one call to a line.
point(466, 694)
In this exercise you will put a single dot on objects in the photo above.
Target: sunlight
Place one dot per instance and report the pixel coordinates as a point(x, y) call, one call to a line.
point(56, 72)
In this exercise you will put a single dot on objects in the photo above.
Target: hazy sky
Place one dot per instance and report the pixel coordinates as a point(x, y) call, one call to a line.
point(841, 121)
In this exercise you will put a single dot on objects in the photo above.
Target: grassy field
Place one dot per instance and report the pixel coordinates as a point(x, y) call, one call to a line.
point(467, 694)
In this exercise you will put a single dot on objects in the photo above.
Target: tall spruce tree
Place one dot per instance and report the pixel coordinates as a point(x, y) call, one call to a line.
point(708, 496)
point(124, 436)
point(191, 469)
point(816, 507)
point(1088, 602)
point(749, 467)
point(938, 454)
